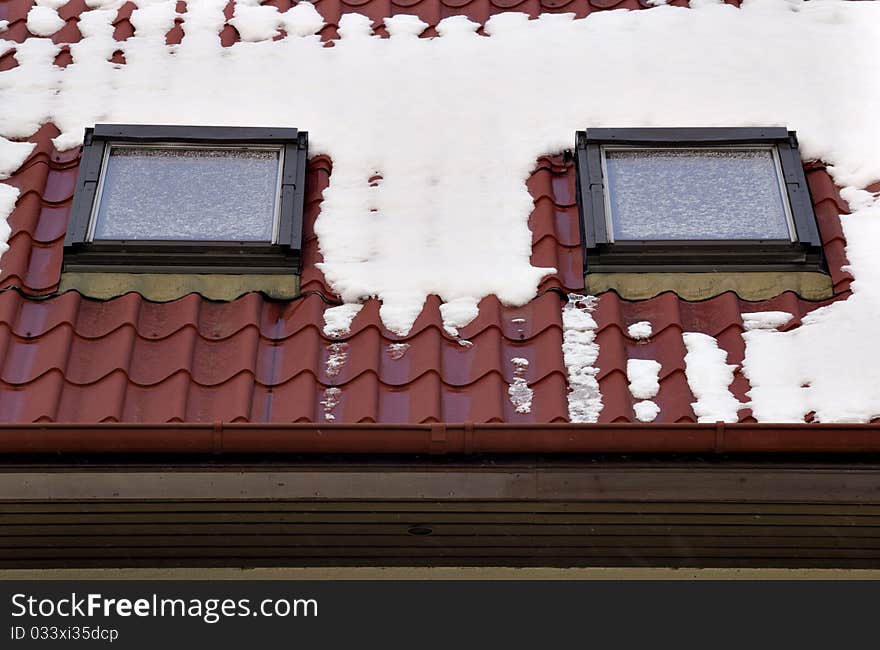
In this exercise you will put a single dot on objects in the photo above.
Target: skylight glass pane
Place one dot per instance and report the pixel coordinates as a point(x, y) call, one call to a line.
point(695, 194)
point(196, 193)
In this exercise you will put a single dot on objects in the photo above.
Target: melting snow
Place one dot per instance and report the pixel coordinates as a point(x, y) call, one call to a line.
point(330, 401)
point(709, 376)
point(8, 196)
point(643, 378)
point(337, 320)
point(646, 410)
point(397, 350)
point(580, 351)
point(12, 155)
point(765, 320)
point(336, 358)
point(830, 365)
point(44, 21)
point(640, 331)
point(519, 392)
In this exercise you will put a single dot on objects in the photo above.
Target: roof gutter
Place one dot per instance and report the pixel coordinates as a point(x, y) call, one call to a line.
point(437, 438)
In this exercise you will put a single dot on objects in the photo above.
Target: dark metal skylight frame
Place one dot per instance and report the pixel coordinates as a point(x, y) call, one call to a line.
point(281, 254)
point(603, 254)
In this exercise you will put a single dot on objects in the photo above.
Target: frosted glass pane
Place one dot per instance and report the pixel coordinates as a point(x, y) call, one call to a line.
point(685, 194)
point(188, 194)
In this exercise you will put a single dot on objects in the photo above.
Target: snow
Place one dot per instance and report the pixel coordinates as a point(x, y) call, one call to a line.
point(255, 22)
point(8, 197)
point(337, 320)
point(330, 401)
point(44, 21)
point(397, 350)
point(12, 155)
point(640, 331)
point(830, 365)
point(646, 410)
point(451, 214)
point(337, 355)
point(518, 390)
point(52, 4)
point(643, 378)
point(457, 313)
point(580, 352)
point(302, 20)
point(765, 320)
point(709, 376)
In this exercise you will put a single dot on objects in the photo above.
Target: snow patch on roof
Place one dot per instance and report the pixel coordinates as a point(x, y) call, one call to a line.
point(765, 320)
point(518, 390)
point(256, 22)
point(337, 320)
point(643, 377)
point(337, 355)
point(44, 21)
point(640, 331)
point(8, 197)
point(646, 410)
point(580, 352)
point(12, 155)
point(329, 401)
point(709, 376)
point(829, 366)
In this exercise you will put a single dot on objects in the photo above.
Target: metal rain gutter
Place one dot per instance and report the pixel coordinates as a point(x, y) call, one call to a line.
point(436, 438)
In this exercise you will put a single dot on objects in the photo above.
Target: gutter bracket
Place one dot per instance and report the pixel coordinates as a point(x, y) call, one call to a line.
point(719, 437)
point(438, 439)
point(217, 438)
point(468, 446)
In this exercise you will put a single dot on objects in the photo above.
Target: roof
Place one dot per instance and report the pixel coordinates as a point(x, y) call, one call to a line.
point(430, 11)
point(67, 358)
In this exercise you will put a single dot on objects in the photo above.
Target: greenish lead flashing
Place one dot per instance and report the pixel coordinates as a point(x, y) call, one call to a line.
point(699, 286)
point(163, 287)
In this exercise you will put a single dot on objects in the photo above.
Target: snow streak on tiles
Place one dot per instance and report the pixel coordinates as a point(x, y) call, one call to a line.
point(452, 220)
point(709, 377)
point(643, 376)
point(580, 352)
point(518, 390)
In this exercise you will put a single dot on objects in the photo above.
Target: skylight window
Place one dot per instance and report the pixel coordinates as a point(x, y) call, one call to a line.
point(694, 200)
point(189, 193)
point(188, 199)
